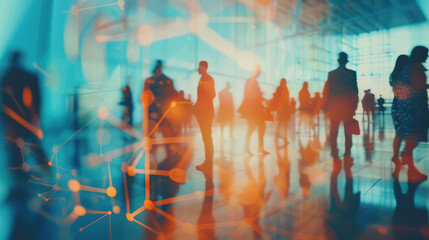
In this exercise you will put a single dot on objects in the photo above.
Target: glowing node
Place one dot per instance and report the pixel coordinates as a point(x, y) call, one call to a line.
point(100, 38)
point(39, 133)
point(173, 104)
point(39, 195)
point(74, 185)
point(145, 35)
point(109, 212)
point(111, 192)
point(147, 98)
point(124, 167)
point(425, 231)
point(27, 97)
point(25, 167)
point(80, 229)
point(55, 187)
point(129, 217)
point(178, 175)
point(19, 142)
point(103, 113)
point(382, 230)
point(74, 10)
point(49, 164)
point(74, 172)
point(199, 195)
point(131, 171)
point(188, 228)
point(107, 158)
point(116, 209)
point(46, 200)
point(148, 204)
point(79, 210)
point(58, 176)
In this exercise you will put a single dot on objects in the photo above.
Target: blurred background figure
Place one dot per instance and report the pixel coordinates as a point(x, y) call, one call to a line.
point(305, 112)
point(226, 111)
point(252, 108)
point(21, 101)
point(315, 102)
point(204, 112)
point(368, 105)
point(381, 108)
point(280, 104)
point(340, 97)
point(127, 102)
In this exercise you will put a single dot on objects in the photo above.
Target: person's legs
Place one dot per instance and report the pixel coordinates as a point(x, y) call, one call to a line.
point(222, 126)
point(206, 133)
point(251, 128)
point(333, 134)
point(348, 138)
point(261, 134)
point(396, 145)
point(231, 130)
point(414, 175)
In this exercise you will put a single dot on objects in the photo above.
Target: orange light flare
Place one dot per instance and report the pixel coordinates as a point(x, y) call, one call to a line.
point(12, 114)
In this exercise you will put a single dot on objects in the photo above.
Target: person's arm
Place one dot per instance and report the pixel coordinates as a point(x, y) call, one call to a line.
point(418, 77)
point(212, 89)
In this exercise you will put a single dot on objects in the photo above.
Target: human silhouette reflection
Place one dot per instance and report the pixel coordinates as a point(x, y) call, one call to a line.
point(340, 100)
point(409, 221)
point(204, 112)
point(381, 108)
point(253, 197)
point(282, 179)
point(368, 140)
point(281, 107)
point(21, 106)
point(252, 108)
point(226, 111)
point(341, 218)
point(309, 155)
point(206, 221)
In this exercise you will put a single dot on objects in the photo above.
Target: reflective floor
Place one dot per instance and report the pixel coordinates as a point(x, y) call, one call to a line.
point(295, 192)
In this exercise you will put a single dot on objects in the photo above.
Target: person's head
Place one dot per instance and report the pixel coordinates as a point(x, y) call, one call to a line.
point(381, 96)
point(257, 71)
point(343, 59)
point(228, 85)
point(15, 58)
point(305, 85)
point(317, 94)
point(283, 82)
point(182, 94)
point(202, 67)
point(158, 67)
point(419, 54)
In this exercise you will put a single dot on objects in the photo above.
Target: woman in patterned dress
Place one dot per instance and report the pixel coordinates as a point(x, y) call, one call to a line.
point(411, 115)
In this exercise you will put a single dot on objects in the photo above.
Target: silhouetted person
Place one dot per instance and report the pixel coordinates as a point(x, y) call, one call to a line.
point(315, 101)
point(412, 108)
point(204, 112)
point(127, 102)
point(305, 111)
point(21, 97)
point(340, 95)
point(164, 93)
point(380, 102)
point(180, 110)
point(293, 108)
point(397, 115)
point(253, 109)
point(226, 111)
point(281, 106)
point(368, 104)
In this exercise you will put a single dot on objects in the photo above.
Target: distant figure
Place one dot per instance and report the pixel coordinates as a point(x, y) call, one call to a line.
point(164, 93)
point(281, 106)
point(381, 108)
point(21, 103)
point(340, 97)
point(315, 101)
point(411, 112)
point(226, 111)
point(293, 108)
point(253, 109)
point(204, 112)
point(127, 102)
point(368, 104)
point(305, 112)
point(394, 81)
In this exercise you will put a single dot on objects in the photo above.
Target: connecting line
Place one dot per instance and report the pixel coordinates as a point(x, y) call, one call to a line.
point(186, 157)
point(148, 228)
point(74, 134)
point(92, 189)
point(127, 198)
point(259, 230)
point(167, 216)
point(83, 228)
point(159, 122)
point(33, 129)
point(110, 174)
point(128, 129)
point(122, 151)
point(137, 159)
point(147, 175)
point(138, 211)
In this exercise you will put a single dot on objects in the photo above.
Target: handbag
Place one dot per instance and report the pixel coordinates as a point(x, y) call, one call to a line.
point(354, 127)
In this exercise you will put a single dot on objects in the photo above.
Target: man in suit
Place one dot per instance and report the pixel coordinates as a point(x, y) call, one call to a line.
point(340, 95)
point(204, 112)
